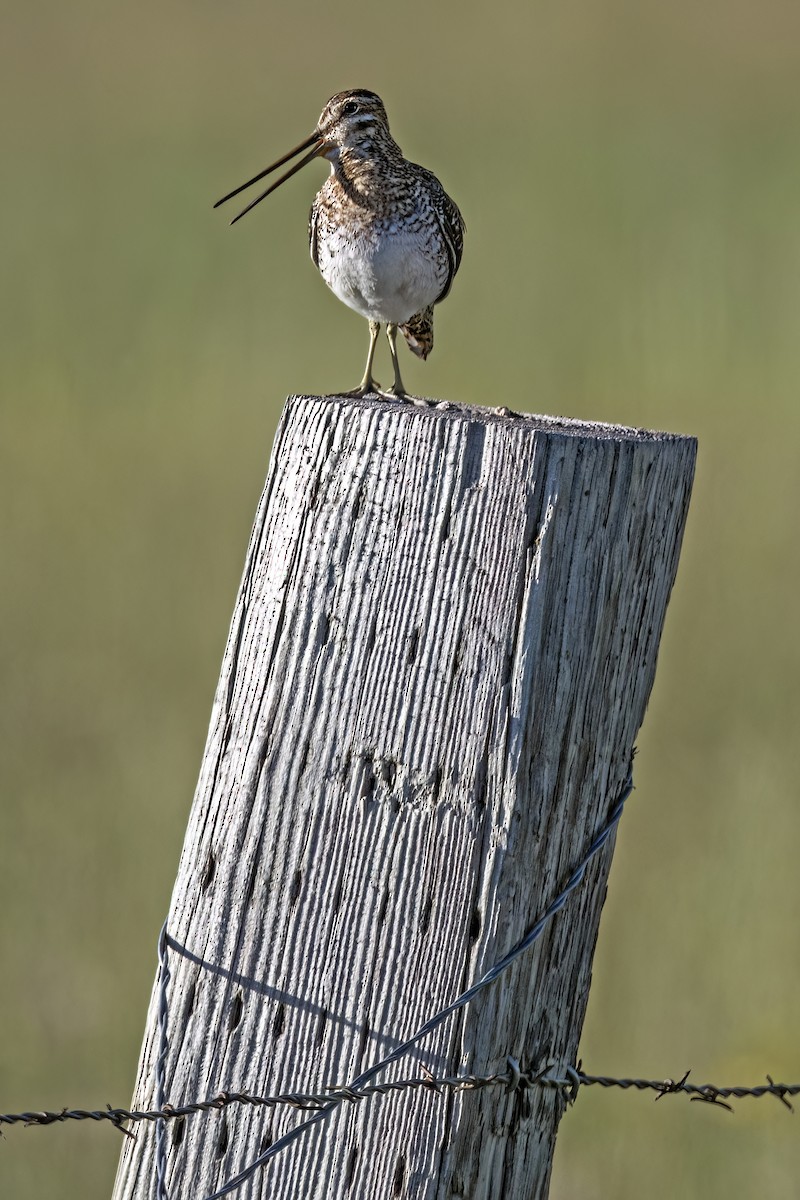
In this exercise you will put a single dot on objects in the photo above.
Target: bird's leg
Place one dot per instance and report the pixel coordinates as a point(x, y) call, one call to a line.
point(397, 388)
point(368, 384)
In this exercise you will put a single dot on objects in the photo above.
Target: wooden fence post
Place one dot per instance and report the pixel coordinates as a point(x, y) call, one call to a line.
point(440, 657)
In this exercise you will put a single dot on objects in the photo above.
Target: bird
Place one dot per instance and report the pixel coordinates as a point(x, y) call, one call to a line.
point(383, 233)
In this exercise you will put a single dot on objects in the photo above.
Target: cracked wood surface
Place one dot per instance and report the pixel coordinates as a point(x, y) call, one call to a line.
point(439, 660)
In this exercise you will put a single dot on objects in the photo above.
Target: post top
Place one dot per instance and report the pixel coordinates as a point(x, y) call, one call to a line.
point(532, 422)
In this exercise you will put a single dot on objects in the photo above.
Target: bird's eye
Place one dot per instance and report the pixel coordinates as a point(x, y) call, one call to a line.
point(349, 109)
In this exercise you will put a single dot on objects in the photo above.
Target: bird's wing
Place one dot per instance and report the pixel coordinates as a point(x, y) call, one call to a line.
point(313, 219)
point(452, 228)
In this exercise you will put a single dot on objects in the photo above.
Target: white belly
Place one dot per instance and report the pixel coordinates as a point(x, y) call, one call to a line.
point(386, 275)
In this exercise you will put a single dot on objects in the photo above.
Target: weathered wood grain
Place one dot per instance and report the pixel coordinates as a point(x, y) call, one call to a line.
point(440, 657)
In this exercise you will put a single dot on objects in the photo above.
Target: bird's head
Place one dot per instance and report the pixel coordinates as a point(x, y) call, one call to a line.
point(352, 123)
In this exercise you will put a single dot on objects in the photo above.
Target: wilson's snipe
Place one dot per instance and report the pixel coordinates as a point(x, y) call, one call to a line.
point(384, 233)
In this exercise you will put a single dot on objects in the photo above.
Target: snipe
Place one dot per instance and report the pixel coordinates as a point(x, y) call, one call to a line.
point(386, 237)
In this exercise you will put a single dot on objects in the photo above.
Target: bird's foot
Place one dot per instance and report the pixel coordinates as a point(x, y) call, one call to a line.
point(396, 393)
point(367, 387)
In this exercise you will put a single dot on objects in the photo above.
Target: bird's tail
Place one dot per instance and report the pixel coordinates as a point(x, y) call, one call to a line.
point(418, 332)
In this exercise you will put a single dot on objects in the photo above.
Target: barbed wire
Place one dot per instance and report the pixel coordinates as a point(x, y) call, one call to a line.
point(570, 1080)
point(321, 1104)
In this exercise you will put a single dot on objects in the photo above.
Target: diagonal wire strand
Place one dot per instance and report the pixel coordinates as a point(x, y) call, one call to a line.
point(161, 1063)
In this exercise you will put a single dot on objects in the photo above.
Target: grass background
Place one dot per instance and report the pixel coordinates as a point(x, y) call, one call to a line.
point(630, 176)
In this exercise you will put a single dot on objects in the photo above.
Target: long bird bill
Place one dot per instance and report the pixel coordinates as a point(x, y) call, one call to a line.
point(316, 141)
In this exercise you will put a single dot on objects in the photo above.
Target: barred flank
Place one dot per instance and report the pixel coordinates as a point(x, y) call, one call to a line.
point(418, 332)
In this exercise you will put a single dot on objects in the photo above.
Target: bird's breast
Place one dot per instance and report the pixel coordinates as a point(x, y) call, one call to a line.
point(385, 268)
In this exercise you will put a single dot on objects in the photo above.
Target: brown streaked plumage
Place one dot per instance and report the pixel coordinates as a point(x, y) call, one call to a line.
point(384, 234)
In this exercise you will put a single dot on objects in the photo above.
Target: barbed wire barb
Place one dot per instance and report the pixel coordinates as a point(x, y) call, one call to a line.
point(670, 1087)
point(778, 1090)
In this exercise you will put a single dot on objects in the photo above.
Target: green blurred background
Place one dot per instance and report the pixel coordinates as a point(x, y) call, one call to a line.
point(630, 177)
